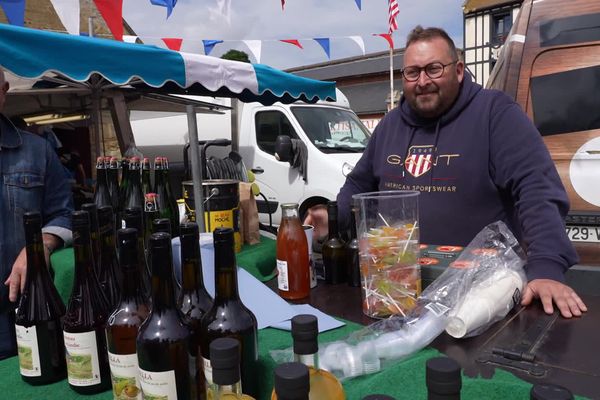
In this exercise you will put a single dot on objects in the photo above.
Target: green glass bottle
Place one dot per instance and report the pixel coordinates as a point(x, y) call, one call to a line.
point(334, 254)
point(109, 274)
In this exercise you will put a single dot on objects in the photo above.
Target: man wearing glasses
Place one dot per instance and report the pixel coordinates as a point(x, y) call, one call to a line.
point(476, 158)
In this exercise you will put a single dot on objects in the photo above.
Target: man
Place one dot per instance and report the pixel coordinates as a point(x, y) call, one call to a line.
point(32, 179)
point(476, 158)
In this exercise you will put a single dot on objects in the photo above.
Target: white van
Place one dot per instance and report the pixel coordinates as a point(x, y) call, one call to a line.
point(333, 135)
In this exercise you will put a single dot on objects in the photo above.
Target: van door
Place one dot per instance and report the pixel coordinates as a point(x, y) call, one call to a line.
point(278, 181)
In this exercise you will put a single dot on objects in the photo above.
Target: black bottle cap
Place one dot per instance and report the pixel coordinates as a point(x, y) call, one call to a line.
point(93, 211)
point(105, 214)
point(543, 391)
point(188, 229)
point(132, 212)
point(223, 235)
point(160, 240)
point(331, 205)
point(161, 225)
point(292, 381)
point(443, 376)
point(378, 397)
point(81, 219)
point(225, 361)
point(32, 221)
point(305, 329)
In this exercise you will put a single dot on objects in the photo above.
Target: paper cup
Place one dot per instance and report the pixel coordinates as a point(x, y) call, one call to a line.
point(309, 231)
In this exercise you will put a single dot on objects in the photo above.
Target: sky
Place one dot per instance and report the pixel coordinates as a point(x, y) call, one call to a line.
point(195, 20)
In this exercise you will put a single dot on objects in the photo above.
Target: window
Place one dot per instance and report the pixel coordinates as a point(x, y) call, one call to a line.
point(501, 24)
point(269, 125)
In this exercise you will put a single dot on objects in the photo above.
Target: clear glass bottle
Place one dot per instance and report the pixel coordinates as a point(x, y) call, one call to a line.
point(85, 319)
point(334, 255)
point(38, 319)
point(292, 382)
point(225, 364)
point(229, 317)
point(124, 322)
point(109, 273)
point(323, 384)
point(293, 278)
point(163, 341)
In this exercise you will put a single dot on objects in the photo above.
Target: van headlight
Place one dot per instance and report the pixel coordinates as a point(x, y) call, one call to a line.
point(347, 168)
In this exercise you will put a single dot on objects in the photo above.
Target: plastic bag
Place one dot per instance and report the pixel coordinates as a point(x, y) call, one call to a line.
point(493, 255)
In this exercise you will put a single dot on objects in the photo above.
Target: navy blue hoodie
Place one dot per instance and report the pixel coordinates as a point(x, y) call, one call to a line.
point(482, 161)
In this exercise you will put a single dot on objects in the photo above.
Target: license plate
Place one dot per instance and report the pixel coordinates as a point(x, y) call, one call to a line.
point(583, 233)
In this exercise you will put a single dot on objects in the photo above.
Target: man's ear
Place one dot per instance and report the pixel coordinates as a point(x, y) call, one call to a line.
point(460, 70)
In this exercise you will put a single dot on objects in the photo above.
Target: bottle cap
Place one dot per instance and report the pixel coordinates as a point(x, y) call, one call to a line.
point(292, 381)
point(160, 240)
point(443, 375)
point(93, 212)
point(305, 329)
point(225, 361)
point(33, 223)
point(223, 235)
point(188, 228)
point(332, 206)
point(105, 214)
point(132, 211)
point(81, 219)
point(543, 391)
point(161, 225)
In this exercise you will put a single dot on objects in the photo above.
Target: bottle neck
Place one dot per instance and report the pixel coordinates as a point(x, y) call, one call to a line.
point(352, 226)
point(35, 257)
point(223, 392)
point(226, 285)
point(333, 226)
point(163, 296)
point(191, 266)
point(131, 286)
point(84, 260)
point(310, 360)
point(289, 213)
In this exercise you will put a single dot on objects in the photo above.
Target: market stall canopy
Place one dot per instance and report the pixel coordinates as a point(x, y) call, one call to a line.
point(31, 53)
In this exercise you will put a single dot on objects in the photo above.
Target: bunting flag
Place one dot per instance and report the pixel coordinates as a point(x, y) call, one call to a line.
point(112, 12)
point(358, 4)
point(68, 12)
point(324, 42)
point(360, 42)
point(224, 7)
point(295, 42)
point(15, 11)
point(388, 37)
point(393, 11)
point(173, 43)
point(169, 4)
point(130, 38)
point(209, 45)
point(282, 4)
point(255, 47)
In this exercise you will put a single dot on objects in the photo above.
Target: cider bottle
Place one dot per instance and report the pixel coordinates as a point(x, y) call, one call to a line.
point(334, 254)
point(292, 382)
point(225, 363)
point(293, 278)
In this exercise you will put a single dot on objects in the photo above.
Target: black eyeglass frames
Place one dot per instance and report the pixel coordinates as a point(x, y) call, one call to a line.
point(433, 70)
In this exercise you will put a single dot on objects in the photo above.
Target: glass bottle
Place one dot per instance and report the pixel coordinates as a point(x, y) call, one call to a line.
point(133, 194)
point(109, 274)
point(352, 255)
point(133, 219)
point(228, 317)
point(113, 189)
point(125, 320)
point(102, 193)
point(167, 205)
point(92, 211)
point(225, 364)
point(323, 384)
point(292, 382)
point(146, 178)
point(443, 378)
point(193, 301)
point(85, 320)
point(293, 278)
point(38, 319)
point(124, 181)
point(163, 341)
point(150, 214)
point(161, 225)
point(334, 257)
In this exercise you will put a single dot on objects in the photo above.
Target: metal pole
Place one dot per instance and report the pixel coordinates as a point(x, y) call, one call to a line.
point(196, 167)
point(235, 134)
point(391, 78)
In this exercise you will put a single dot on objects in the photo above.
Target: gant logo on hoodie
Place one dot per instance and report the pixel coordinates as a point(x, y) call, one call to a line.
point(419, 160)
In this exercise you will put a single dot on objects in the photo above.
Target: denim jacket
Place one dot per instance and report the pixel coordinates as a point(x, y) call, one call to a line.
point(31, 179)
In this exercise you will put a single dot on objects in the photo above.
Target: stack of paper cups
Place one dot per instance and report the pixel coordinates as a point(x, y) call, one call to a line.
point(490, 298)
point(308, 231)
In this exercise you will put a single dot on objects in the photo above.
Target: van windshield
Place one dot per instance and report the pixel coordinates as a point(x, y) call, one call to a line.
point(332, 130)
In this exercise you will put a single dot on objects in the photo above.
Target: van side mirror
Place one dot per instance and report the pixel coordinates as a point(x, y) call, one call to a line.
point(283, 148)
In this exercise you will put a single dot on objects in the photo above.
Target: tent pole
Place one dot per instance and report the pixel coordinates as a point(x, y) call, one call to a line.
point(196, 168)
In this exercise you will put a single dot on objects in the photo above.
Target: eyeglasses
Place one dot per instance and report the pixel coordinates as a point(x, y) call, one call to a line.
point(433, 70)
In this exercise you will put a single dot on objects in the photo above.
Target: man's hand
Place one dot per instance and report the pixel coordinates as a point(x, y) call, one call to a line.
point(550, 291)
point(317, 217)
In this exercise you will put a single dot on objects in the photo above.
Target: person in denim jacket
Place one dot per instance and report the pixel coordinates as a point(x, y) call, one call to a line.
point(32, 179)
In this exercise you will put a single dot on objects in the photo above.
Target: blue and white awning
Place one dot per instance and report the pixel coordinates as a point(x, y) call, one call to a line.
point(31, 53)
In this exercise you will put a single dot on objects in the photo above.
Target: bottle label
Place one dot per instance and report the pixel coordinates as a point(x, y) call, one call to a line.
point(282, 276)
point(29, 354)
point(83, 366)
point(158, 385)
point(124, 376)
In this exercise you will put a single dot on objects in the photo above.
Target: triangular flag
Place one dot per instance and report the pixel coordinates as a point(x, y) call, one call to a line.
point(282, 4)
point(112, 12)
point(360, 42)
point(358, 4)
point(295, 42)
point(255, 47)
point(15, 11)
point(169, 4)
point(209, 45)
point(324, 42)
point(173, 43)
point(224, 7)
point(130, 38)
point(388, 37)
point(68, 12)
